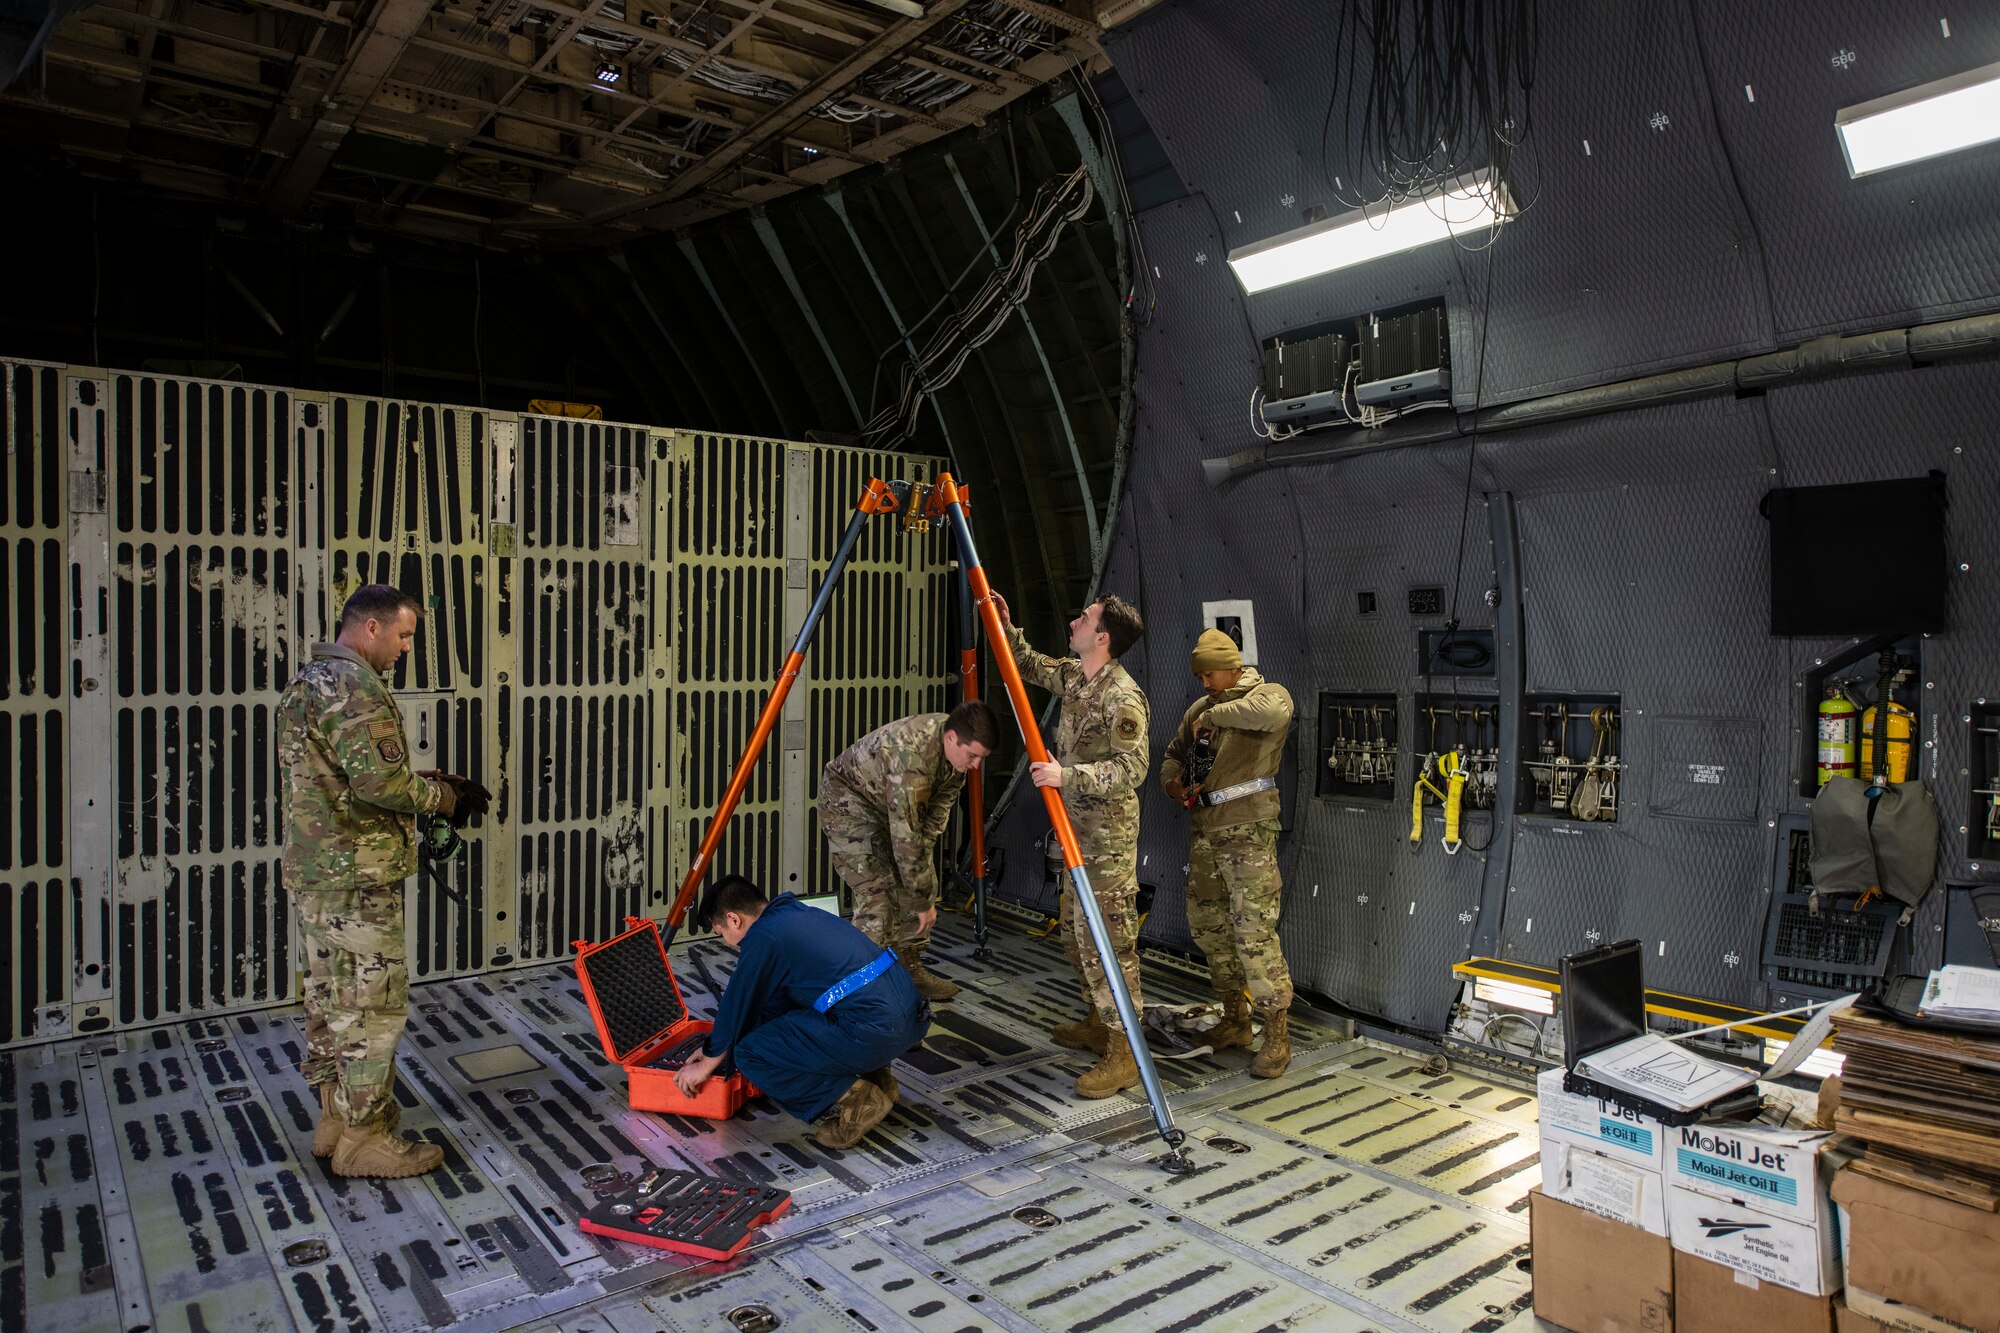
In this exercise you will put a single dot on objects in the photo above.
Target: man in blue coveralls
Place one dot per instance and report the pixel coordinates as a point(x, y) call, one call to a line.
point(813, 1015)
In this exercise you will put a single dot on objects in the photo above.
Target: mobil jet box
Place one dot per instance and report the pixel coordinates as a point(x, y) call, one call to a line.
point(1773, 1170)
point(1601, 1126)
point(1757, 1242)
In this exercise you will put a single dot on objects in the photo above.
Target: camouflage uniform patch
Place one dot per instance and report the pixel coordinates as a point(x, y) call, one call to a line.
point(1233, 897)
point(350, 840)
point(1101, 744)
point(883, 803)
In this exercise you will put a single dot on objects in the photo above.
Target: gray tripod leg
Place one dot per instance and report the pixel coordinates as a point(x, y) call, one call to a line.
point(1176, 1159)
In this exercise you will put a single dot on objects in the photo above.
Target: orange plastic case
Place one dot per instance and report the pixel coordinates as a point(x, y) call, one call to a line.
point(637, 1006)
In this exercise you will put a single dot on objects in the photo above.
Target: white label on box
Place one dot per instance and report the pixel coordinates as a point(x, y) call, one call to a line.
point(1618, 1190)
point(1771, 1168)
point(1604, 1186)
point(1599, 1125)
point(1767, 1247)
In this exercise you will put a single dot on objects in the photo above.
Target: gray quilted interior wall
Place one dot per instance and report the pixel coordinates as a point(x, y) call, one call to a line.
point(1704, 222)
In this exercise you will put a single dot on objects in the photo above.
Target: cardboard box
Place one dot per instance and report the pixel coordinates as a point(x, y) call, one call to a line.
point(1900, 1318)
point(644, 1024)
point(1938, 1259)
point(1599, 1276)
point(1601, 1126)
point(1774, 1170)
point(1712, 1298)
point(1804, 1256)
point(1847, 1319)
point(1622, 1191)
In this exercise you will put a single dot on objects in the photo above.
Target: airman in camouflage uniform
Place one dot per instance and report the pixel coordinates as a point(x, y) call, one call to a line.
point(1099, 762)
point(883, 803)
point(351, 802)
point(1233, 888)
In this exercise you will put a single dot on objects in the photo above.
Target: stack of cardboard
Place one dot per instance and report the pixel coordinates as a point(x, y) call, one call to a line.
point(1642, 1226)
point(1920, 1205)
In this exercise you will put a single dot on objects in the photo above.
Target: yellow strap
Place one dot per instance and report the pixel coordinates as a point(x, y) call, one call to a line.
point(1454, 803)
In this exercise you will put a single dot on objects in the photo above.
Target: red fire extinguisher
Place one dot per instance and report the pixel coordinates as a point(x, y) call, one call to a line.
point(1837, 718)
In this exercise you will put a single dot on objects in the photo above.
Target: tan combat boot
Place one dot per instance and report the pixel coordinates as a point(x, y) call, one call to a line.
point(1114, 1072)
point(1089, 1035)
point(1234, 1029)
point(1276, 1052)
point(859, 1110)
point(885, 1080)
point(373, 1151)
point(332, 1124)
point(929, 984)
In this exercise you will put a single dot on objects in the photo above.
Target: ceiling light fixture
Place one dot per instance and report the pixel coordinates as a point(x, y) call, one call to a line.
point(1365, 234)
point(608, 73)
point(907, 8)
point(1929, 121)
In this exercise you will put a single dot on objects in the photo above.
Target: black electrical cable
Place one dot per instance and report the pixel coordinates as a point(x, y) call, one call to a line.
point(1427, 92)
point(1471, 450)
point(909, 334)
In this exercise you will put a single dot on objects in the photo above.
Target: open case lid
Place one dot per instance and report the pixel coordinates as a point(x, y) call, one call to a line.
point(1603, 999)
point(630, 988)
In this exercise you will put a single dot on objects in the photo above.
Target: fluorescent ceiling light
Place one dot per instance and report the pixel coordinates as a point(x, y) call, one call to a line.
point(1937, 118)
point(1821, 1063)
point(1511, 995)
point(1357, 237)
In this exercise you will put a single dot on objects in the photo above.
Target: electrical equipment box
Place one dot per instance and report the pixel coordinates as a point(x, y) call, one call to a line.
point(644, 1025)
point(1309, 366)
point(1357, 745)
point(1305, 381)
point(1405, 358)
point(1569, 757)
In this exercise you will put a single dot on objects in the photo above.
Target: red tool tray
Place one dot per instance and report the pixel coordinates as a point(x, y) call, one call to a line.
point(709, 1216)
point(644, 1023)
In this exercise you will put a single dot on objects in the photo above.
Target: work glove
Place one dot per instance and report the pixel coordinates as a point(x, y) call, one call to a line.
point(473, 800)
point(462, 800)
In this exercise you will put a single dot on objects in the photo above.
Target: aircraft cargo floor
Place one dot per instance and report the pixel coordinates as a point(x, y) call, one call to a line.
point(162, 1179)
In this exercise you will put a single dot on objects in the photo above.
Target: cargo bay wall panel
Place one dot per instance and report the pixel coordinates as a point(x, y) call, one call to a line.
point(605, 607)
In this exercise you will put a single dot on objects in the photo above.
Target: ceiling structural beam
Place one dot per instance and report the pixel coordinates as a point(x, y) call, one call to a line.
point(769, 235)
point(1058, 16)
point(1010, 430)
point(839, 206)
point(681, 78)
point(372, 54)
point(1055, 388)
point(756, 364)
point(780, 119)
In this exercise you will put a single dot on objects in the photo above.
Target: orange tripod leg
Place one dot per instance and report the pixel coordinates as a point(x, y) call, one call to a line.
point(948, 497)
point(880, 498)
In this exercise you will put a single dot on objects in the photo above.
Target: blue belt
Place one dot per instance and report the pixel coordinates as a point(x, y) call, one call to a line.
point(854, 981)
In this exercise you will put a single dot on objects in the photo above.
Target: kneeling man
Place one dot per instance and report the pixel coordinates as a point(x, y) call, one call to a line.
point(813, 1014)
